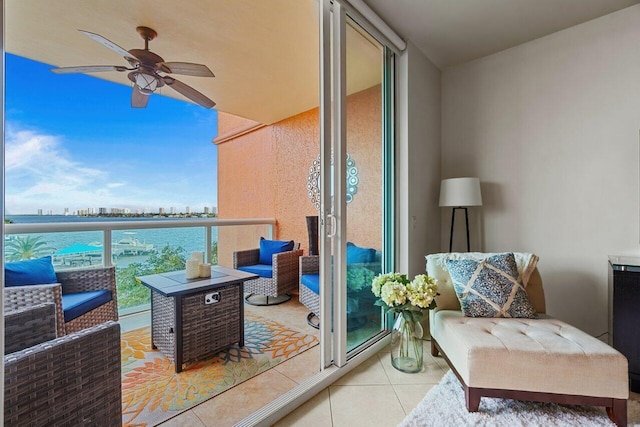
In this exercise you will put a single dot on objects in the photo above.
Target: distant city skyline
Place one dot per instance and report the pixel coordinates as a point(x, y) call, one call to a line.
point(172, 210)
point(73, 142)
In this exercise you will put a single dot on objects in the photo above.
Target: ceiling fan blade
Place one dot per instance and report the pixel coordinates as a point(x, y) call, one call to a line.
point(111, 45)
point(138, 100)
point(88, 69)
point(186, 68)
point(189, 92)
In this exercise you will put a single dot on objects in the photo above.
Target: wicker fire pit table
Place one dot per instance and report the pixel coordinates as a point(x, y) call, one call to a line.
point(194, 318)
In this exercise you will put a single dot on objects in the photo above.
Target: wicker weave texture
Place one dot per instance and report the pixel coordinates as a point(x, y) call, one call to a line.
point(72, 381)
point(210, 328)
point(285, 272)
point(246, 257)
point(107, 311)
point(206, 328)
point(309, 264)
point(20, 297)
point(91, 279)
point(29, 326)
point(71, 281)
point(163, 323)
point(310, 299)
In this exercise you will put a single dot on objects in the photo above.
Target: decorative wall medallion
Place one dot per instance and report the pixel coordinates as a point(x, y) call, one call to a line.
point(313, 181)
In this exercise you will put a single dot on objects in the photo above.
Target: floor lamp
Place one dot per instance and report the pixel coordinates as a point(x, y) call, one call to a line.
point(460, 193)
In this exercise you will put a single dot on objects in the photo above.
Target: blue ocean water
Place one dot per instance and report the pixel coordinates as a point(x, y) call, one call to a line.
point(190, 239)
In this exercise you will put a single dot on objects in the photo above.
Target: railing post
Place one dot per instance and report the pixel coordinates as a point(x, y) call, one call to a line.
point(207, 243)
point(107, 256)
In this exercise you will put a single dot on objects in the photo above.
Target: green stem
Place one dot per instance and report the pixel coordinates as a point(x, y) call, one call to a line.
point(408, 339)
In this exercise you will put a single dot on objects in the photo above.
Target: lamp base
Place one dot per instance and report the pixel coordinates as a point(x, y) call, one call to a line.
point(453, 220)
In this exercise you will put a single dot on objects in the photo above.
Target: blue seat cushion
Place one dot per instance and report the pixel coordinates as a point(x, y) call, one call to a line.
point(75, 305)
point(29, 272)
point(261, 270)
point(270, 247)
point(358, 255)
point(311, 281)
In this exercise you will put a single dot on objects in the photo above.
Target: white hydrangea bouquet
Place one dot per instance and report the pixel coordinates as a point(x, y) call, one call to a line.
point(398, 294)
point(407, 298)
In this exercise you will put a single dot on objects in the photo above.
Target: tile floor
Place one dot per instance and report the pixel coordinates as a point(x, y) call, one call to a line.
point(372, 391)
point(373, 394)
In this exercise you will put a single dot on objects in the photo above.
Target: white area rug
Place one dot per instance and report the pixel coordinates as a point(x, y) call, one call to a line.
point(444, 406)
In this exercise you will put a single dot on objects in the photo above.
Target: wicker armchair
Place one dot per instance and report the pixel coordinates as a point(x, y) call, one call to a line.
point(309, 292)
point(73, 380)
point(359, 297)
point(70, 282)
point(284, 275)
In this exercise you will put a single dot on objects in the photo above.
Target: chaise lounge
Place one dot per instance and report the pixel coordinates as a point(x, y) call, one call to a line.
point(540, 359)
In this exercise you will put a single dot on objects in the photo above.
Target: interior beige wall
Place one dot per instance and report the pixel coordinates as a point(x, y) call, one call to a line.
point(551, 129)
point(418, 161)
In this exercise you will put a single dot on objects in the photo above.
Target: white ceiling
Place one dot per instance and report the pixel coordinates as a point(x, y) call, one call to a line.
point(265, 53)
point(451, 32)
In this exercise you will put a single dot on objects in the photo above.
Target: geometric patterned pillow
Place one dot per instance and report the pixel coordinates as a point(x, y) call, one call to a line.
point(490, 288)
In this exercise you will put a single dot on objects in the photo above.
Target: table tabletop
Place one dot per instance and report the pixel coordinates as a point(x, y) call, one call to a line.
point(176, 283)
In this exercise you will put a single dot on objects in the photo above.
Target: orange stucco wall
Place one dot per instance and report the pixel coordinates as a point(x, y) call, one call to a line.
point(263, 173)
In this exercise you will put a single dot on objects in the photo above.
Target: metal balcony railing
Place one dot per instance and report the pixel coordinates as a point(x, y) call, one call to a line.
point(105, 243)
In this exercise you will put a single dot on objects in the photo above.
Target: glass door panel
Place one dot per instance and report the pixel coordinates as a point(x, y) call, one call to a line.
point(364, 182)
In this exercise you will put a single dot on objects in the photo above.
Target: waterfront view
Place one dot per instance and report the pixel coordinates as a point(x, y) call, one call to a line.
point(138, 246)
point(190, 239)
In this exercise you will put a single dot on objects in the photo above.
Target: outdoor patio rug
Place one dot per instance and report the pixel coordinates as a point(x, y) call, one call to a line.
point(152, 392)
point(444, 406)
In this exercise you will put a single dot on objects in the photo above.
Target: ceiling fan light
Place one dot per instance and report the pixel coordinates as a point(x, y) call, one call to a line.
point(146, 83)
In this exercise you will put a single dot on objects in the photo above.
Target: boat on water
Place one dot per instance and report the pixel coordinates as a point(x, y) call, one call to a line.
point(127, 246)
point(131, 246)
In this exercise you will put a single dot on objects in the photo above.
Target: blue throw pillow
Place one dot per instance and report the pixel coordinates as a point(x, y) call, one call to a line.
point(358, 255)
point(31, 272)
point(270, 247)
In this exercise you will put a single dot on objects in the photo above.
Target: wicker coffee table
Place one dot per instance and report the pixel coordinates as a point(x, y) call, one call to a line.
point(194, 318)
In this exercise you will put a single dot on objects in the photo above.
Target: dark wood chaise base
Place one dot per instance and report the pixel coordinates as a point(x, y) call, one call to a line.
point(616, 408)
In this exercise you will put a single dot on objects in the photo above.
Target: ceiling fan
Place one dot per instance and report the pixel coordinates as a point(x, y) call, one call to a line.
point(144, 70)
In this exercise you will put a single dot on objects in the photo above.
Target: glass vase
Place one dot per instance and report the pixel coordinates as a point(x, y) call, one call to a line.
point(406, 344)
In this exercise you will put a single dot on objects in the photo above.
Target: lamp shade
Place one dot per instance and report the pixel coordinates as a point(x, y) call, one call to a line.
point(459, 192)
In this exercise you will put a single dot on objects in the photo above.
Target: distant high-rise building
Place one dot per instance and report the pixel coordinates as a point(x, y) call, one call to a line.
point(187, 210)
point(40, 212)
point(172, 210)
point(207, 210)
point(66, 211)
point(102, 211)
point(161, 211)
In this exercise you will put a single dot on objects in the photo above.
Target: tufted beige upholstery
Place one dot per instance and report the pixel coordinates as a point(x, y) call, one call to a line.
point(534, 359)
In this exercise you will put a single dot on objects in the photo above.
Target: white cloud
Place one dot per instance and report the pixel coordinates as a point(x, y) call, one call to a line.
point(40, 174)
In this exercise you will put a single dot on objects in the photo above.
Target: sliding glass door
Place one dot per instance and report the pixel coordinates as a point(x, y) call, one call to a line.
point(357, 147)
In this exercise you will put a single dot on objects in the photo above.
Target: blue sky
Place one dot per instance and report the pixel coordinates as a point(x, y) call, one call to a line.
point(73, 141)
